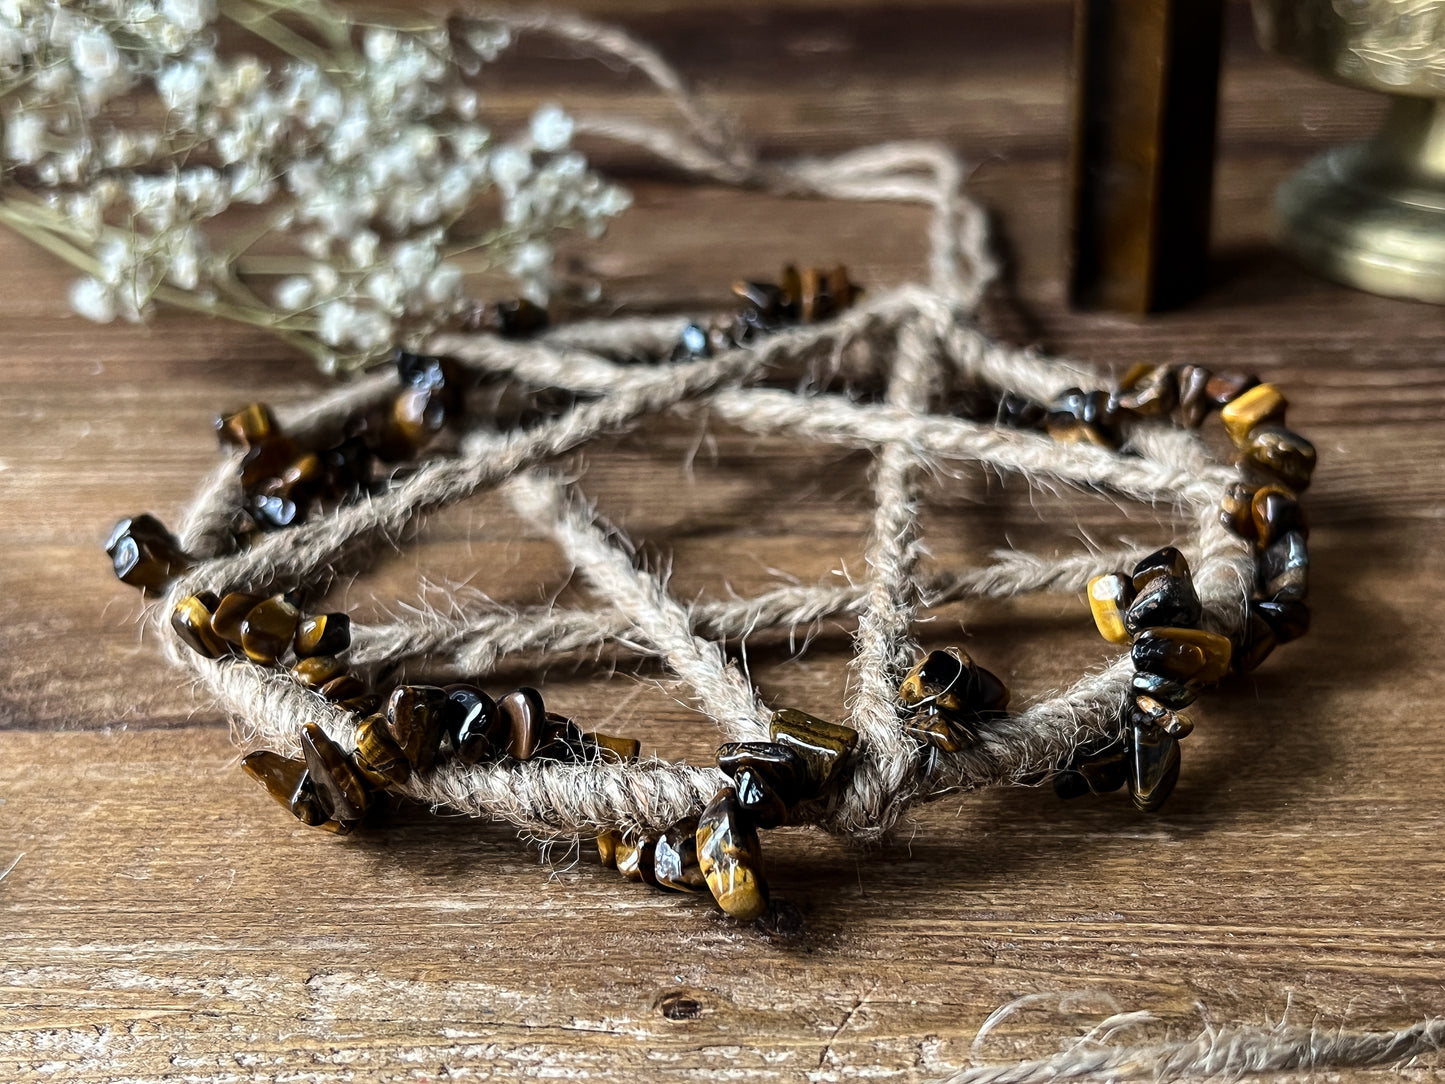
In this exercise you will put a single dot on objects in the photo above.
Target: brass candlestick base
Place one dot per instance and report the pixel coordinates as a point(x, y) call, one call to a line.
point(1370, 215)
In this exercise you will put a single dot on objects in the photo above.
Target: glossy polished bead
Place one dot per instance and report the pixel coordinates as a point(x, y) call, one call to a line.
point(363, 704)
point(1148, 390)
point(265, 460)
point(144, 554)
point(1148, 712)
point(342, 688)
point(1223, 388)
point(1284, 569)
point(674, 860)
point(230, 612)
point(1165, 601)
point(526, 716)
point(318, 670)
point(1194, 401)
point(759, 800)
point(1290, 619)
point(942, 677)
point(939, 730)
point(1274, 511)
point(823, 746)
point(1109, 599)
point(731, 858)
point(607, 848)
point(1236, 510)
point(1104, 767)
point(562, 739)
point(378, 755)
point(1019, 413)
point(636, 859)
point(1257, 644)
point(1162, 562)
point(1283, 454)
point(1172, 694)
point(248, 426)
point(987, 694)
point(1077, 417)
point(191, 619)
point(611, 747)
point(268, 629)
point(324, 634)
point(342, 791)
point(1153, 768)
point(279, 775)
point(416, 716)
point(476, 728)
point(1190, 655)
point(1263, 404)
point(785, 770)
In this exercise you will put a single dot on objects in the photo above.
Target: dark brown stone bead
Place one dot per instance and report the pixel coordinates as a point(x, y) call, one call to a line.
point(842, 289)
point(1162, 562)
point(1236, 510)
point(418, 415)
point(1194, 401)
point(759, 800)
point(1165, 601)
point(378, 756)
point(1256, 644)
point(1284, 569)
point(279, 775)
point(266, 460)
point(144, 554)
point(324, 634)
point(987, 692)
point(1153, 768)
point(1070, 784)
point(230, 612)
point(364, 704)
point(941, 677)
point(1190, 655)
point(611, 747)
point(1172, 694)
point(562, 739)
point(790, 291)
point(248, 426)
point(526, 717)
point(348, 466)
point(472, 721)
point(1274, 511)
point(1262, 404)
point(1282, 453)
point(1078, 416)
point(763, 298)
point(343, 688)
point(1148, 712)
point(1016, 412)
point(191, 619)
point(674, 860)
point(607, 843)
point(417, 717)
point(342, 791)
point(636, 859)
point(318, 670)
point(731, 858)
point(306, 804)
point(268, 629)
point(1104, 767)
point(785, 770)
point(823, 746)
point(1148, 390)
point(939, 730)
point(1290, 619)
point(1223, 388)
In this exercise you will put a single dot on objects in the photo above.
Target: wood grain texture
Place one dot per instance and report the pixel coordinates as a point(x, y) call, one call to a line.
point(167, 922)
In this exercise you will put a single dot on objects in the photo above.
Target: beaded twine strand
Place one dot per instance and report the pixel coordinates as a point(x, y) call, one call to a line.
point(310, 493)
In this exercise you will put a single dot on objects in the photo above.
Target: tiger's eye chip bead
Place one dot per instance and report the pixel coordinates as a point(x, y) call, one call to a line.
point(636, 857)
point(342, 790)
point(268, 629)
point(144, 554)
point(416, 716)
point(1148, 390)
point(607, 843)
point(730, 858)
point(945, 695)
point(1153, 767)
point(823, 746)
point(324, 634)
point(473, 723)
point(1263, 404)
point(1109, 599)
point(674, 859)
point(191, 620)
point(318, 670)
point(378, 756)
point(525, 716)
point(1078, 416)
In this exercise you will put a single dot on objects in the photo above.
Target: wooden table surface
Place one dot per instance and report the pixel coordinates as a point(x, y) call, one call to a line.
point(166, 921)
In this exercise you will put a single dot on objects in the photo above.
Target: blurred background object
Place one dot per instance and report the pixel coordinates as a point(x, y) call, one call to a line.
point(1370, 214)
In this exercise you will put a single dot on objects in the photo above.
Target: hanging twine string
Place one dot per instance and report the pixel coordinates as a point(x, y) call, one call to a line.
point(917, 340)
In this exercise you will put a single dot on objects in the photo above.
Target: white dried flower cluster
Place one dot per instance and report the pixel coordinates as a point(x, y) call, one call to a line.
point(127, 135)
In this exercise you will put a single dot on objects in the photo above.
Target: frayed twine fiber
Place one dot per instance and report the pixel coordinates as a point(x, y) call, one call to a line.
point(912, 338)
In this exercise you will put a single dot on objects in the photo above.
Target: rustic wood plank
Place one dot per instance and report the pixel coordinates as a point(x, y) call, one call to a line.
point(167, 922)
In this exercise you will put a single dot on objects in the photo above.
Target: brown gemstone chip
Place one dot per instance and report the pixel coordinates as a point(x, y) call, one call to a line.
point(318, 670)
point(1223, 388)
point(1162, 562)
point(614, 748)
point(473, 723)
point(1274, 511)
point(939, 730)
point(1153, 767)
point(674, 859)
point(526, 717)
point(1236, 510)
point(1263, 404)
point(1189, 655)
point(268, 628)
point(417, 717)
point(1147, 711)
point(230, 612)
point(1194, 401)
point(248, 426)
point(1282, 453)
point(607, 843)
point(1165, 601)
point(635, 859)
point(941, 678)
point(824, 746)
point(144, 554)
point(378, 756)
point(1147, 390)
point(279, 775)
point(340, 787)
point(730, 857)
point(343, 688)
point(324, 634)
point(1109, 599)
point(191, 620)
